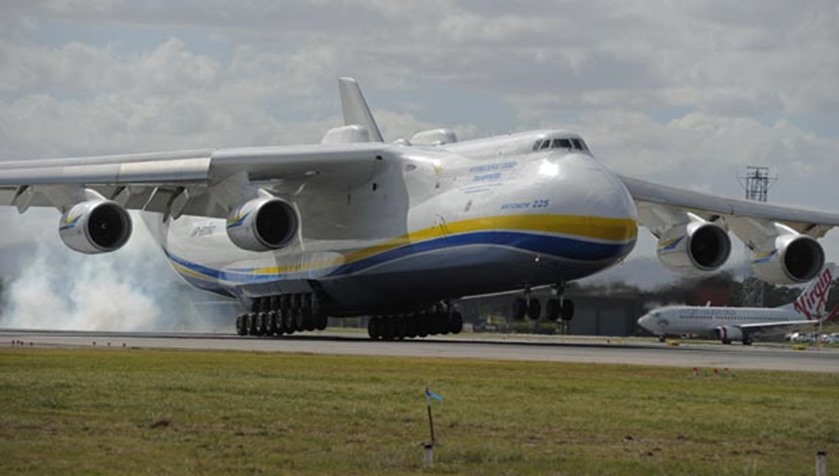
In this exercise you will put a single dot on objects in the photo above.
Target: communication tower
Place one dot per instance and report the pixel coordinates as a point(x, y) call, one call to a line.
point(756, 183)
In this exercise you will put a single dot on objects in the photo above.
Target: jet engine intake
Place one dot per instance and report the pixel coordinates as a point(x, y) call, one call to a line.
point(262, 224)
point(788, 259)
point(95, 226)
point(726, 334)
point(695, 247)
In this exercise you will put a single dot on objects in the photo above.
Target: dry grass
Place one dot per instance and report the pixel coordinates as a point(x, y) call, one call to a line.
point(137, 411)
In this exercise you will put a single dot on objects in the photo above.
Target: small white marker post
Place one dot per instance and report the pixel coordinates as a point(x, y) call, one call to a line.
point(821, 463)
point(429, 446)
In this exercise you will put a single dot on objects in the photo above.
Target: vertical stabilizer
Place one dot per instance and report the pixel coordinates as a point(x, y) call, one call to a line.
point(355, 108)
point(812, 301)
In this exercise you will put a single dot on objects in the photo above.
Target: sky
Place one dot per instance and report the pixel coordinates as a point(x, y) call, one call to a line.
point(685, 93)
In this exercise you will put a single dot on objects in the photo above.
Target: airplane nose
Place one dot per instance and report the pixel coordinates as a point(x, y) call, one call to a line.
point(596, 192)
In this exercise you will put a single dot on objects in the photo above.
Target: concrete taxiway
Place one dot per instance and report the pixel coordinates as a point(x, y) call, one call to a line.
point(554, 348)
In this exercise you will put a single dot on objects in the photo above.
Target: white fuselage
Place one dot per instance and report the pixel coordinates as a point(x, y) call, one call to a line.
point(679, 320)
point(468, 218)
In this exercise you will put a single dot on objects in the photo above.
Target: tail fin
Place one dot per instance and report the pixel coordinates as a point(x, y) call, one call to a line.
point(832, 315)
point(812, 300)
point(355, 108)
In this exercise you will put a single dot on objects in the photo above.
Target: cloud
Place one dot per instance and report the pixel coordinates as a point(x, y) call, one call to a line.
point(678, 92)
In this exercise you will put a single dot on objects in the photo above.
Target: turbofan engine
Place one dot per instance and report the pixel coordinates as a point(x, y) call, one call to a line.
point(698, 246)
point(788, 259)
point(95, 226)
point(262, 224)
point(726, 334)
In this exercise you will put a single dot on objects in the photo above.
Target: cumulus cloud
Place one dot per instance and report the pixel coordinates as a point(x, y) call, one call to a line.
point(679, 92)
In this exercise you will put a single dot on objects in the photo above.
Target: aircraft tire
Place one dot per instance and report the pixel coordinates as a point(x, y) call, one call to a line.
point(410, 325)
point(400, 327)
point(273, 323)
point(321, 321)
point(240, 325)
point(372, 328)
point(308, 319)
point(567, 312)
point(251, 321)
point(519, 308)
point(387, 328)
point(433, 323)
point(456, 323)
point(298, 319)
point(262, 324)
point(534, 309)
point(282, 322)
point(422, 324)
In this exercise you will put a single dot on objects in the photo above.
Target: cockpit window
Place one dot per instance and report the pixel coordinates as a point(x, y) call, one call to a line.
point(561, 144)
point(564, 143)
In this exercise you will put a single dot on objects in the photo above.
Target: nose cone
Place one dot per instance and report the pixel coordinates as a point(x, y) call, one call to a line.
point(645, 321)
point(586, 188)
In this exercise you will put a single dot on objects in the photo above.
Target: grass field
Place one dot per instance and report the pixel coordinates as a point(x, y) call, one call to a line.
point(174, 412)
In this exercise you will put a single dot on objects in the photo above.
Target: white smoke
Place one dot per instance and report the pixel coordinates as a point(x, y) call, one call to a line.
point(129, 290)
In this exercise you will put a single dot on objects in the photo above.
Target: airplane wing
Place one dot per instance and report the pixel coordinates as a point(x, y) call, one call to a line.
point(654, 201)
point(692, 230)
point(196, 182)
point(761, 326)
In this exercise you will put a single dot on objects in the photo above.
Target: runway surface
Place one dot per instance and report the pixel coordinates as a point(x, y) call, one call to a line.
point(552, 348)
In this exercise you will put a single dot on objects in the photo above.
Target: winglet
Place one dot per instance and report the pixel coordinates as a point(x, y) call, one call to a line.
point(355, 108)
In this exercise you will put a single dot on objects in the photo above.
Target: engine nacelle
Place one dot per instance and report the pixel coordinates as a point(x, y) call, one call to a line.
point(353, 133)
point(262, 224)
point(434, 137)
point(95, 226)
point(726, 334)
point(695, 247)
point(788, 259)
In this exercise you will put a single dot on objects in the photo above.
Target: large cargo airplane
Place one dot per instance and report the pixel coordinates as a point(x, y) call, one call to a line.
point(356, 226)
point(739, 323)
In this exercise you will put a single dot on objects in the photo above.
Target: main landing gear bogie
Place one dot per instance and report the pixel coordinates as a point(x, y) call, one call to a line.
point(285, 314)
point(420, 324)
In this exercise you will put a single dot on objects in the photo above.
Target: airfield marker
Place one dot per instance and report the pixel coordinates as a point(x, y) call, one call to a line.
point(429, 447)
point(821, 463)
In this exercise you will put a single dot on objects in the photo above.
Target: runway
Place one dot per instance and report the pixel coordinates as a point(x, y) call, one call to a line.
point(490, 347)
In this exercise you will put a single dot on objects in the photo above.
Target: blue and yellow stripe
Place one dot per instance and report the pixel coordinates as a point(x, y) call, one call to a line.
point(579, 238)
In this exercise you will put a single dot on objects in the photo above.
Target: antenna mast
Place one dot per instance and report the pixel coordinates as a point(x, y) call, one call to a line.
point(756, 183)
